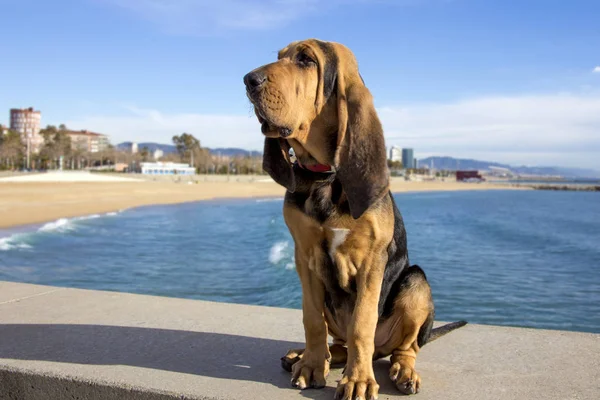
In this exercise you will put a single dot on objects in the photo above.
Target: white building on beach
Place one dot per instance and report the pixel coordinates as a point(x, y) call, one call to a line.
point(166, 168)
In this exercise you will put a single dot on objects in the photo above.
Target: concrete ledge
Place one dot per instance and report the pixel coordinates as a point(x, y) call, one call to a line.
point(77, 344)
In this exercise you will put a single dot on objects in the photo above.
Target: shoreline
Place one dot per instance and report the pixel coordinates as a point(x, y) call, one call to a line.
point(32, 203)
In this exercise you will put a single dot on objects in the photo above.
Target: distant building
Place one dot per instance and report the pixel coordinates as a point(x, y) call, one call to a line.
point(500, 172)
point(3, 129)
point(166, 168)
point(88, 141)
point(415, 163)
point(408, 159)
point(129, 147)
point(395, 153)
point(158, 153)
point(27, 122)
point(121, 167)
point(469, 176)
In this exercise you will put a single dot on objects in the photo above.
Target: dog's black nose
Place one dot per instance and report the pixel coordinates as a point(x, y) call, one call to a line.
point(254, 79)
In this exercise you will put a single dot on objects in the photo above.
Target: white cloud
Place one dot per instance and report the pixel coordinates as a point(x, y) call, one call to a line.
point(210, 16)
point(142, 125)
point(190, 17)
point(559, 129)
point(597, 69)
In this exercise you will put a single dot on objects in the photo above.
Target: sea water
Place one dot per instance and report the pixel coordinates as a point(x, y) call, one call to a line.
point(517, 258)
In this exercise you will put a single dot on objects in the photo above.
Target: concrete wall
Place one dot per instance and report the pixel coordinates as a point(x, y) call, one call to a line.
point(58, 343)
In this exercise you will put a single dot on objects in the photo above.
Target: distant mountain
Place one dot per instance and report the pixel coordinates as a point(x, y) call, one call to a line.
point(235, 152)
point(169, 148)
point(166, 148)
point(450, 163)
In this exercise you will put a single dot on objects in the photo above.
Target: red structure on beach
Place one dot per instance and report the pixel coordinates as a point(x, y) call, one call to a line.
point(464, 176)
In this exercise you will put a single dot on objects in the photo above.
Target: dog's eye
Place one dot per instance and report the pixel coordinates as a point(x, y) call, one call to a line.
point(305, 60)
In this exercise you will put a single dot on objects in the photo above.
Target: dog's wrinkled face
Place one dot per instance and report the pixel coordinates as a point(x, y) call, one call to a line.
point(314, 100)
point(285, 93)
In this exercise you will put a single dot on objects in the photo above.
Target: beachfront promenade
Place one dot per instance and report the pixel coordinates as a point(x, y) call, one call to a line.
point(58, 343)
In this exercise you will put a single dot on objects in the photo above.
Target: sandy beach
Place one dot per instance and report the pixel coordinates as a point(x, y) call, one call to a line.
point(31, 202)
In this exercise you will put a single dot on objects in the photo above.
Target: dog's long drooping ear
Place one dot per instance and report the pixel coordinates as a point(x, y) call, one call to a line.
point(360, 157)
point(276, 163)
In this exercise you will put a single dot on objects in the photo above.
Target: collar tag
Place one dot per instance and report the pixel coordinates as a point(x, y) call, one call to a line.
point(292, 155)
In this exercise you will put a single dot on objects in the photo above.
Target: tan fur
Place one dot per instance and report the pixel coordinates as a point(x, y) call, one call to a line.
point(362, 256)
point(398, 335)
point(294, 97)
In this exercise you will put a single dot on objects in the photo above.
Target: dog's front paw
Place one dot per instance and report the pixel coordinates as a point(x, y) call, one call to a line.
point(360, 388)
point(406, 378)
point(310, 371)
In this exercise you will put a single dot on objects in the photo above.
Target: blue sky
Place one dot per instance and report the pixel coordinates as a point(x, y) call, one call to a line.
point(510, 81)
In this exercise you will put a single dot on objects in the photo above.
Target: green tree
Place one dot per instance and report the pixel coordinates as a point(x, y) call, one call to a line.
point(145, 153)
point(186, 145)
point(190, 150)
point(394, 164)
point(12, 150)
point(111, 154)
point(57, 143)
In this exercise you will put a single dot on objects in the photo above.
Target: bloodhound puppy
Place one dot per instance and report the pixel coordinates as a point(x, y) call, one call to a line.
point(324, 143)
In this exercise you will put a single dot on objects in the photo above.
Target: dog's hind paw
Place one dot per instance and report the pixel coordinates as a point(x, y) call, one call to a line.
point(291, 358)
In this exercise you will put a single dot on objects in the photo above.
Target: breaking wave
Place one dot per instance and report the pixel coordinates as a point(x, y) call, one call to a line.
point(22, 241)
point(60, 225)
point(17, 241)
point(67, 224)
point(278, 252)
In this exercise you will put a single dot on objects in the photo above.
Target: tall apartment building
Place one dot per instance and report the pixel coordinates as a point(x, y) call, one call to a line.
point(408, 159)
point(130, 147)
point(88, 141)
point(27, 122)
point(395, 153)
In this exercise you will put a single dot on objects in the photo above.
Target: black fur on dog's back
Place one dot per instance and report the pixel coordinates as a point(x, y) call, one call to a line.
point(397, 276)
point(397, 263)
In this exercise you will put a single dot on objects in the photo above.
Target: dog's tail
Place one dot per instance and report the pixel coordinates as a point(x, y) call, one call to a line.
point(440, 331)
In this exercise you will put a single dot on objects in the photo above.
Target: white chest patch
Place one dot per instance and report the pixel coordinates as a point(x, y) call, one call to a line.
point(339, 236)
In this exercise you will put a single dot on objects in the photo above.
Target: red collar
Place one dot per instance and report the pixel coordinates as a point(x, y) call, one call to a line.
point(321, 168)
